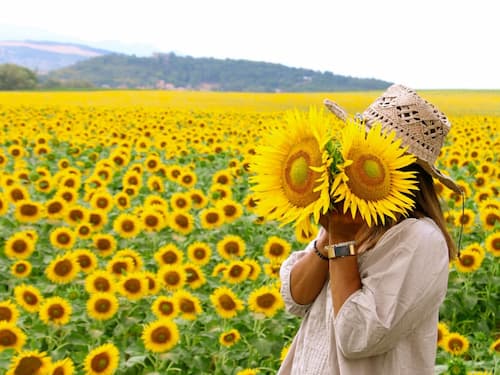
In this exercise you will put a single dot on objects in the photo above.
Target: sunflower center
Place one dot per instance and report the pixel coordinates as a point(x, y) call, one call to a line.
point(7, 337)
point(133, 285)
point(298, 178)
point(100, 362)
point(56, 311)
point(166, 307)
point(103, 305)
point(5, 314)
point(368, 177)
point(63, 267)
point(160, 335)
point(19, 246)
point(187, 306)
point(266, 301)
point(227, 302)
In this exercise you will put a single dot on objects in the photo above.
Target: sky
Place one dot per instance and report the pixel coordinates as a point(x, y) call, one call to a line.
point(424, 44)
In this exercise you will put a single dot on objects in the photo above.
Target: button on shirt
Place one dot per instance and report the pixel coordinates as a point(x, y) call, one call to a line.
point(387, 327)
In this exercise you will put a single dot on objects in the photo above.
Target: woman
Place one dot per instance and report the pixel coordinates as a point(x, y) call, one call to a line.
point(370, 303)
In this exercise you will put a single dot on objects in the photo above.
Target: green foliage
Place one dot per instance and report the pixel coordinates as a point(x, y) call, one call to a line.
point(15, 77)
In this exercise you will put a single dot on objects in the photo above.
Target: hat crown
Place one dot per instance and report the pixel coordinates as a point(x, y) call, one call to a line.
point(419, 124)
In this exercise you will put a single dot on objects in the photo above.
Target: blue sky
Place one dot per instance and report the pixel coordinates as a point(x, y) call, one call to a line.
point(422, 44)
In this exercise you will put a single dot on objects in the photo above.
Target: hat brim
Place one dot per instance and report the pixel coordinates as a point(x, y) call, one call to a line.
point(342, 114)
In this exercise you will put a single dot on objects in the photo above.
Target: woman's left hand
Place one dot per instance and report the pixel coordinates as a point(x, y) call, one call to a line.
point(339, 227)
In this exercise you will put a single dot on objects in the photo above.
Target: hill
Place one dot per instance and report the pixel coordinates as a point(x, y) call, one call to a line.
point(75, 65)
point(43, 56)
point(169, 71)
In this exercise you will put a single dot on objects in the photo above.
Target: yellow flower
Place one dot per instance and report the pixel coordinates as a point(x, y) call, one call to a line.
point(232, 210)
point(229, 338)
point(290, 170)
point(211, 217)
point(195, 277)
point(119, 266)
point(122, 200)
point(152, 220)
point(127, 225)
point(465, 219)
point(16, 192)
point(86, 259)
point(63, 238)
point(102, 305)
point(55, 310)
point(102, 200)
point(30, 362)
point(165, 307)
point(76, 214)
point(160, 336)
point(11, 336)
point(198, 198)
point(370, 179)
point(105, 244)
point(492, 243)
point(172, 276)
point(248, 371)
point(168, 254)
point(199, 253)
point(231, 246)
point(28, 297)
point(181, 222)
point(63, 366)
point(187, 179)
point(102, 360)
point(495, 346)
point(265, 300)
point(469, 261)
point(97, 219)
point(443, 331)
point(490, 217)
point(276, 249)
point(284, 352)
point(100, 281)
point(19, 246)
point(236, 272)
point(55, 208)
point(226, 303)
point(8, 312)
point(28, 211)
point(134, 285)
point(189, 304)
point(456, 344)
point(63, 269)
point(254, 268)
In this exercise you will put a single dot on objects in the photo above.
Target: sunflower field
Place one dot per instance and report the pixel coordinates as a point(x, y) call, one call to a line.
point(129, 241)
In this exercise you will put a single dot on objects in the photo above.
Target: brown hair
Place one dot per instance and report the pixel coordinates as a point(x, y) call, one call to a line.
point(426, 205)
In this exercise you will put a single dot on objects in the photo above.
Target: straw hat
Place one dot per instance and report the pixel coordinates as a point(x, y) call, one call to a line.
point(418, 123)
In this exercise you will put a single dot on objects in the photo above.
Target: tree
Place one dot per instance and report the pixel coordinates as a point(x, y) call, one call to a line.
point(15, 77)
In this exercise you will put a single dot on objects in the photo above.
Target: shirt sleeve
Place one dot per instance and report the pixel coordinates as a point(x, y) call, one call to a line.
point(404, 282)
point(285, 271)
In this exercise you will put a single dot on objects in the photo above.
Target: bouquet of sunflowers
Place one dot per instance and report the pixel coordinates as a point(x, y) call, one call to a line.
point(310, 162)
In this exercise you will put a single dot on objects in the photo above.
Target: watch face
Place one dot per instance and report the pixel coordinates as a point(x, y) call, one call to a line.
point(342, 251)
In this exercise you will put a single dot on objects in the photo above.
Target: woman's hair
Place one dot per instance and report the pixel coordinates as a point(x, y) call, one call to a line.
point(426, 205)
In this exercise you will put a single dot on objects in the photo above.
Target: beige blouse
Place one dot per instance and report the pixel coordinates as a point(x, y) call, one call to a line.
point(387, 327)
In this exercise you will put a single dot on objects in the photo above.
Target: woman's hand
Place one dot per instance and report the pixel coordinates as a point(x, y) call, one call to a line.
point(339, 227)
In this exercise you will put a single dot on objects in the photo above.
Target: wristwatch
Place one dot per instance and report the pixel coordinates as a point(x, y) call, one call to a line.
point(342, 249)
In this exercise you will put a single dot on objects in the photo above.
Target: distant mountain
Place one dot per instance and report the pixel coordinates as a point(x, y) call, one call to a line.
point(76, 65)
point(44, 56)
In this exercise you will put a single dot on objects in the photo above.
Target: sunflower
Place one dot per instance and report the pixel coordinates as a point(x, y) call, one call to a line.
point(198, 198)
point(248, 371)
point(102, 360)
point(86, 259)
point(105, 244)
point(28, 211)
point(160, 336)
point(44, 185)
point(122, 200)
point(181, 222)
point(495, 346)
point(97, 219)
point(231, 246)
point(100, 281)
point(490, 217)
point(229, 338)
point(19, 246)
point(119, 266)
point(168, 254)
point(290, 170)
point(195, 277)
point(199, 253)
point(272, 269)
point(284, 352)
point(11, 336)
point(236, 272)
point(189, 304)
point(219, 191)
point(469, 261)
point(102, 305)
point(133, 285)
point(8, 312)
point(232, 209)
point(165, 307)
point(133, 255)
point(187, 179)
point(456, 344)
point(212, 217)
point(155, 184)
point(55, 310)
point(30, 362)
point(55, 208)
point(180, 201)
point(226, 303)
point(443, 331)
point(152, 220)
point(63, 269)
point(466, 219)
point(265, 300)
point(250, 203)
point(254, 268)
point(102, 200)
point(4, 205)
point(127, 225)
point(28, 297)
point(63, 366)
point(172, 276)
point(84, 230)
point(276, 249)
point(152, 163)
point(67, 194)
point(306, 236)
point(63, 238)
point(370, 180)
point(492, 243)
